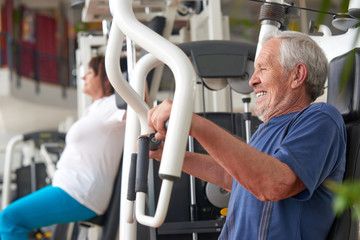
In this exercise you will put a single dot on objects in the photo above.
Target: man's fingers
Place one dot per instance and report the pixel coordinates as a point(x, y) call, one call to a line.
point(158, 116)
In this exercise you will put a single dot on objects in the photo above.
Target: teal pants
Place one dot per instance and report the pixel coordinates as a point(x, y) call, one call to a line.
point(45, 207)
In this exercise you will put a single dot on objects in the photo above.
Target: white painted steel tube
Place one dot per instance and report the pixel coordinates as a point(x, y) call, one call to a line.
point(266, 28)
point(179, 123)
point(132, 129)
point(161, 209)
point(247, 122)
point(6, 191)
point(141, 70)
point(138, 78)
point(117, 80)
point(354, 4)
point(50, 165)
point(129, 215)
point(185, 77)
point(344, 43)
point(135, 104)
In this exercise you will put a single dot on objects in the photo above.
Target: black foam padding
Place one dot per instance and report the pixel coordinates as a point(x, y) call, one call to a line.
point(157, 24)
point(352, 170)
point(219, 58)
point(131, 194)
point(142, 165)
point(344, 93)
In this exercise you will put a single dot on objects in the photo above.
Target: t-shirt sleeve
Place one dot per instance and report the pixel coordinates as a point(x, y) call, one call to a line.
point(313, 148)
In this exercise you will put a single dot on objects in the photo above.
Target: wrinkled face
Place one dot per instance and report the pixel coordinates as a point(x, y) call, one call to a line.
point(92, 84)
point(270, 83)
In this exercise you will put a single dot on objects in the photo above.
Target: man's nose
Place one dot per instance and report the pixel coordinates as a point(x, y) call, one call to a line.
point(253, 80)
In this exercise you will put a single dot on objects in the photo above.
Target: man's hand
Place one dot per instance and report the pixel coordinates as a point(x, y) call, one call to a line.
point(157, 117)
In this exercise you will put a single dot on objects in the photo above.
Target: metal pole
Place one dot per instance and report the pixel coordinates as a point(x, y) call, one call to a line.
point(193, 206)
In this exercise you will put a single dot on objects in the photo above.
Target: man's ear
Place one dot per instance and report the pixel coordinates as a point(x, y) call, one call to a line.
point(299, 74)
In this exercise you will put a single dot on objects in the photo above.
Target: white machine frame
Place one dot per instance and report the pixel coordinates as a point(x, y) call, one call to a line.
point(125, 23)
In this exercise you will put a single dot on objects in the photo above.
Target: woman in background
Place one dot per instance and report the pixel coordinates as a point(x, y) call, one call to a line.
point(83, 182)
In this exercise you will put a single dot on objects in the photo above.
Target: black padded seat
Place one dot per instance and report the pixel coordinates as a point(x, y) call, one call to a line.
point(346, 227)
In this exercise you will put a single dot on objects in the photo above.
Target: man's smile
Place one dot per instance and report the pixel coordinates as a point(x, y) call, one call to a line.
point(260, 94)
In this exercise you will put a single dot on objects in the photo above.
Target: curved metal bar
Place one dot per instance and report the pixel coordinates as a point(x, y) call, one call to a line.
point(162, 206)
point(141, 70)
point(5, 201)
point(117, 80)
point(185, 79)
point(138, 79)
point(180, 118)
point(135, 105)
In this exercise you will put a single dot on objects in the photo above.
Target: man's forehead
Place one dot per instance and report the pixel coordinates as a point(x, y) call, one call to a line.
point(272, 43)
point(269, 51)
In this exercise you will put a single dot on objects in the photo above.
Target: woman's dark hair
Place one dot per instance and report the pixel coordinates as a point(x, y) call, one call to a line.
point(98, 65)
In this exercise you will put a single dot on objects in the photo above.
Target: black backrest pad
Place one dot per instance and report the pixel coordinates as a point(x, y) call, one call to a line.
point(344, 94)
point(352, 170)
point(344, 85)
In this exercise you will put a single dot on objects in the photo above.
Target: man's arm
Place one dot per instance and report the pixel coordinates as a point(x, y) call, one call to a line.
point(203, 167)
point(263, 175)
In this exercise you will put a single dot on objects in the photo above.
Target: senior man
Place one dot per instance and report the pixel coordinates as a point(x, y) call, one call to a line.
point(277, 180)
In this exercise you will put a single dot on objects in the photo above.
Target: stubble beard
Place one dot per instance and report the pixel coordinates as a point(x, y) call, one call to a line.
point(261, 112)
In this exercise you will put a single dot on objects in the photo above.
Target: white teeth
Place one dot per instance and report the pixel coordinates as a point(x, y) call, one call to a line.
point(260, 94)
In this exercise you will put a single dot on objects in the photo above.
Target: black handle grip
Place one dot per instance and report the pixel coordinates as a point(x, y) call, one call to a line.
point(131, 194)
point(154, 143)
point(142, 165)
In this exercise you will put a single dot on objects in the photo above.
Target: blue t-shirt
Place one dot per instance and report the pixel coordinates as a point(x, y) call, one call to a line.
point(314, 148)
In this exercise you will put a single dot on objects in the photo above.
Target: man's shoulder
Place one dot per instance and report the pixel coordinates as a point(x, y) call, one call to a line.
point(326, 113)
point(325, 108)
point(323, 105)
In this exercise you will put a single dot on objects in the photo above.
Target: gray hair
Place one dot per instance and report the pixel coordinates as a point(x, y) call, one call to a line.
point(297, 48)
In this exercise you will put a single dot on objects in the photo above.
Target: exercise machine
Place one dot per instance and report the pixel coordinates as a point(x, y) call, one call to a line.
point(41, 150)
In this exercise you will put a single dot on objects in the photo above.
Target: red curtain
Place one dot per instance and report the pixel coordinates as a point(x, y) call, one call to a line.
point(46, 48)
point(7, 26)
